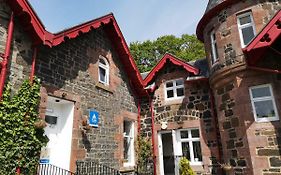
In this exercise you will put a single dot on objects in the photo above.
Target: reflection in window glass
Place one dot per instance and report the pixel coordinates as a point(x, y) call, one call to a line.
point(263, 103)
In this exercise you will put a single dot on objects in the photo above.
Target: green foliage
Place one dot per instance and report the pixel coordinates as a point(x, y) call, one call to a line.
point(148, 53)
point(185, 168)
point(144, 153)
point(20, 140)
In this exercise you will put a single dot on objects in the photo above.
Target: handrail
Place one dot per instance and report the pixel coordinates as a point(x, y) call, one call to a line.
point(93, 168)
point(49, 169)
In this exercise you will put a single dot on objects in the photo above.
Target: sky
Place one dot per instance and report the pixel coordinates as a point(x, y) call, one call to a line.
point(139, 20)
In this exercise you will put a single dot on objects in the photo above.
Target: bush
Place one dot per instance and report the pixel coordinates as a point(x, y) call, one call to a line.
point(185, 168)
point(20, 139)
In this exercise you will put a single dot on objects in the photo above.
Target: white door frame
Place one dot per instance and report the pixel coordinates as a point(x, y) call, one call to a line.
point(176, 152)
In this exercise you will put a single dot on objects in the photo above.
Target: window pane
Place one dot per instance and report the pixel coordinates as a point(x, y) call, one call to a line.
point(180, 92)
point(197, 151)
point(184, 134)
point(102, 61)
point(264, 109)
point(245, 20)
point(170, 93)
point(185, 150)
point(102, 74)
point(195, 133)
point(127, 148)
point(260, 92)
point(179, 82)
point(248, 34)
point(169, 84)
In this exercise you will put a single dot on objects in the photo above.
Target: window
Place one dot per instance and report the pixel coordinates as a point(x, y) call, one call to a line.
point(174, 89)
point(246, 28)
point(128, 143)
point(214, 47)
point(191, 148)
point(263, 103)
point(103, 71)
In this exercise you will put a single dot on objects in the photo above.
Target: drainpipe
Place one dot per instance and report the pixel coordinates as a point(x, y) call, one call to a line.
point(31, 76)
point(6, 56)
point(152, 130)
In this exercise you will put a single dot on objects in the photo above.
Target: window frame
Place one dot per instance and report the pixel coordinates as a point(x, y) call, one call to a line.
point(214, 48)
point(240, 27)
point(131, 161)
point(266, 98)
point(190, 141)
point(174, 88)
point(106, 68)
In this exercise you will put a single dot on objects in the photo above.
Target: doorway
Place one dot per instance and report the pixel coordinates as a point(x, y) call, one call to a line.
point(175, 144)
point(59, 120)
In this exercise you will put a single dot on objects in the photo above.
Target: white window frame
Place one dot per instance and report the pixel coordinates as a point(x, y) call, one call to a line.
point(214, 53)
point(131, 161)
point(190, 140)
point(240, 27)
point(174, 88)
point(106, 68)
point(257, 99)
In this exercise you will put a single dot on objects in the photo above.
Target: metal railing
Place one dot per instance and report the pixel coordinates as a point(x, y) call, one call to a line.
point(48, 169)
point(92, 168)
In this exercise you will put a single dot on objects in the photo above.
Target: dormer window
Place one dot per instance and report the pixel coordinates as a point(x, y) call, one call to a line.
point(214, 47)
point(103, 71)
point(174, 89)
point(246, 28)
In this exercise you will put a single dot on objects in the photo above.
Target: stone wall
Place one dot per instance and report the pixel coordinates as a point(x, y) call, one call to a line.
point(21, 51)
point(250, 147)
point(72, 67)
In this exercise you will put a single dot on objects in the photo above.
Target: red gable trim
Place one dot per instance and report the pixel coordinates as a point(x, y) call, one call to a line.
point(175, 61)
point(33, 26)
point(258, 46)
point(209, 15)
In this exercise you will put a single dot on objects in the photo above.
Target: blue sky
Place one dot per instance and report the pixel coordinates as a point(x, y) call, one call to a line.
point(139, 20)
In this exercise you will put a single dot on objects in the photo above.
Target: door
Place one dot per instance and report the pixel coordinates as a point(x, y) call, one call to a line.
point(166, 151)
point(59, 120)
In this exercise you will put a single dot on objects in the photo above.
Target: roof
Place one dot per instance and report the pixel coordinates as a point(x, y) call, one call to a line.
point(33, 26)
point(213, 8)
point(268, 35)
point(202, 65)
point(188, 67)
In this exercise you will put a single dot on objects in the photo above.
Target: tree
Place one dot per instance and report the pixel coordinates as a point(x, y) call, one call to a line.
point(148, 53)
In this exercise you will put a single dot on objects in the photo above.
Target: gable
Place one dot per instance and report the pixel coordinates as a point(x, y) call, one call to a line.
point(40, 36)
point(172, 60)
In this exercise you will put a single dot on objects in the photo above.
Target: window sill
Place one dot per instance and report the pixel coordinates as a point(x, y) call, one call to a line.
point(267, 120)
point(104, 87)
point(173, 100)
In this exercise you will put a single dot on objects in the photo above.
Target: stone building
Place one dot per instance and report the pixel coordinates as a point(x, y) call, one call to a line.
point(242, 42)
point(215, 111)
point(86, 71)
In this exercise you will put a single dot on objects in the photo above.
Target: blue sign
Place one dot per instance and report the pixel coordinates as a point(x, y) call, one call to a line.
point(93, 118)
point(44, 161)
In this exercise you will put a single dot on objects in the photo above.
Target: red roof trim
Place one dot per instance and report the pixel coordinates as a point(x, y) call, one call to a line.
point(209, 15)
point(175, 61)
point(41, 36)
point(269, 34)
